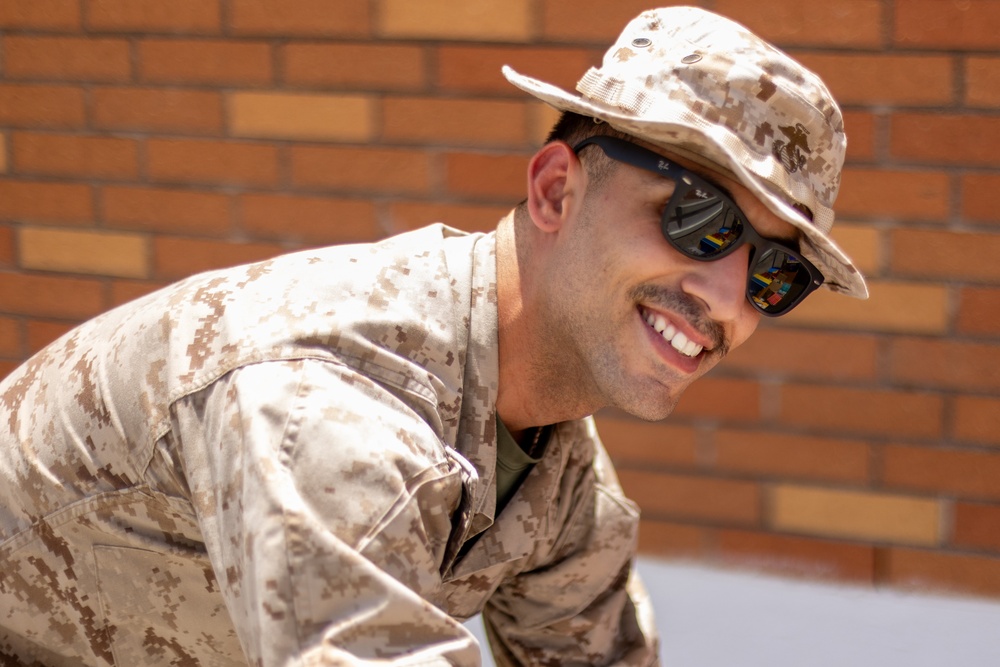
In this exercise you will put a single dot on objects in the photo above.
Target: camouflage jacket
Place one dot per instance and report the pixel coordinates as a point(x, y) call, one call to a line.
point(279, 464)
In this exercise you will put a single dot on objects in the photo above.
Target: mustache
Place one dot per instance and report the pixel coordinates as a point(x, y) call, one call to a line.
point(687, 307)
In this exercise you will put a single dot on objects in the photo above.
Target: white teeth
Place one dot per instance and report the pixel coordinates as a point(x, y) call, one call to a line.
point(677, 340)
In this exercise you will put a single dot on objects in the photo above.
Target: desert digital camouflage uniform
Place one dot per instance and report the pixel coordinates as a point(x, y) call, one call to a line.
point(278, 465)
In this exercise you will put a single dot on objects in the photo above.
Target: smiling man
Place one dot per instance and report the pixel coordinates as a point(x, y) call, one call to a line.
point(336, 456)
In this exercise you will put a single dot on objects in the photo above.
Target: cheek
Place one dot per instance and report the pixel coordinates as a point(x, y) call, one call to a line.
point(744, 327)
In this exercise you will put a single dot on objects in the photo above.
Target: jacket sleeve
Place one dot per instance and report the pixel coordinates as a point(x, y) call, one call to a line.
point(584, 604)
point(325, 505)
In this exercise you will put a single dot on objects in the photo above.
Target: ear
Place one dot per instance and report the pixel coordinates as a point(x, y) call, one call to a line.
point(555, 179)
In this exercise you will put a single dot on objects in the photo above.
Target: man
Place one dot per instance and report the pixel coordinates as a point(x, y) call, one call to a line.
point(336, 456)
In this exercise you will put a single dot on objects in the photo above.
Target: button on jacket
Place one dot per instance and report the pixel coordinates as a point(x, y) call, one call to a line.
point(278, 464)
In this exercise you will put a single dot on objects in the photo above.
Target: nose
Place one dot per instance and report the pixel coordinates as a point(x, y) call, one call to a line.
point(720, 285)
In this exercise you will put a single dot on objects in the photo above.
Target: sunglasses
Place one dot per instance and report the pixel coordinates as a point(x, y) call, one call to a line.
point(704, 223)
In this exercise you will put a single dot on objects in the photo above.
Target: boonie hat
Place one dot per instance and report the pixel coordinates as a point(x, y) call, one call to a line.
point(707, 88)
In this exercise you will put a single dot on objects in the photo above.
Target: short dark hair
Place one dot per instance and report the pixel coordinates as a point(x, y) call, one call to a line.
point(574, 128)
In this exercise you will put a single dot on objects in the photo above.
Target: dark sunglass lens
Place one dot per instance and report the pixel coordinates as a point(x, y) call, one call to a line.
point(777, 281)
point(701, 224)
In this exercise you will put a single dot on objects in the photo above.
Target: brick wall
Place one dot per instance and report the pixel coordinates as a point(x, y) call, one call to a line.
point(142, 141)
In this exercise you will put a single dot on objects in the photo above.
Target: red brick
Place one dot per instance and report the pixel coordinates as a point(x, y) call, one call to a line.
point(40, 14)
point(175, 258)
point(43, 332)
point(977, 419)
point(901, 80)
point(42, 106)
point(861, 132)
point(308, 117)
point(978, 311)
point(791, 456)
point(66, 58)
point(6, 246)
point(594, 21)
point(977, 526)
point(632, 443)
point(73, 155)
point(933, 571)
point(806, 354)
point(10, 337)
point(309, 220)
point(900, 195)
point(123, 291)
point(944, 254)
point(944, 364)
point(201, 61)
point(216, 162)
point(8, 367)
point(862, 411)
point(958, 139)
point(177, 16)
point(689, 497)
point(701, 400)
point(476, 69)
point(841, 23)
point(967, 474)
point(49, 296)
point(967, 25)
point(321, 18)
point(158, 110)
point(356, 66)
point(361, 169)
point(453, 122)
point(33, 201)
point(166, 210)
point(469, 217)
point(979, 197)
point(981, 75)
point(798, 556)
point(487, 175)
point(663, 538)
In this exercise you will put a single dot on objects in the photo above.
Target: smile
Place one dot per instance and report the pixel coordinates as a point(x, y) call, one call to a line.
point(669, 332)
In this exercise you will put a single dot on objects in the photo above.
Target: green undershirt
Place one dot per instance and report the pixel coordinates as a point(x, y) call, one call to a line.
point(513, 465)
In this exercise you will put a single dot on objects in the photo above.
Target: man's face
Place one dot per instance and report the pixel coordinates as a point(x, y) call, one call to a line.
point(643, 320)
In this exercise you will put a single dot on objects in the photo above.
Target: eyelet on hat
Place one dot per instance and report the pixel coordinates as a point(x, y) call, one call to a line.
point(641, 42)
point(691, 59)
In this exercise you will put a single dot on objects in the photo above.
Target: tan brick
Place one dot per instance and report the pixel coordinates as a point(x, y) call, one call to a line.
point(945, 254)
point(356, 66)
point(66, 58)
point(806, 354)
point(901, 80)
point(974, 475)
point(10, 337)
point(51, 296)
point(981, 75)
point(175, 258)
point(796, 556)
point(862, 411)
point(320, 18)
point(73, 155)
point(32, 201)
point(977, 419)
point(177, 16)
point(595, 21)
point(967, 25)
point(480, 20)
point(406, 215)
point(701, 400)
point(309, 220)
point(786, 455)
point(296, 116)
point(201, 61)
point(166, 210)
point(977, 526)
point(157, 110)
point(40, 14)
point(978, 311)
point(99, 253)
point(633, 443)
point(216, 162)
point(970, 140)
point(979, 197)
point(932, 571)
point(841, 23)
point(476, 68)
point(944, 364)
point(863, 245)
point(42, 332)
point(664, 538)
point(541, 119)
point(663, 496)
point(907, 195)
point(855, 514)
point(487, 175)
point(497, 123)
point(361, 169)
point(893, 307)
point(42, 106)
point(860, 128)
